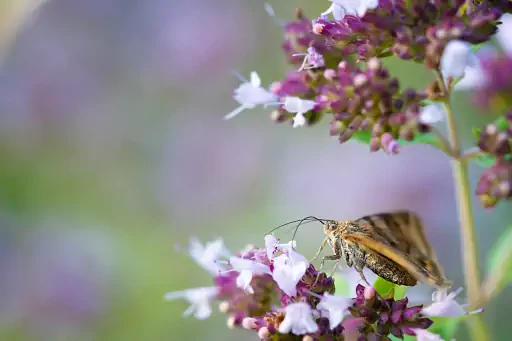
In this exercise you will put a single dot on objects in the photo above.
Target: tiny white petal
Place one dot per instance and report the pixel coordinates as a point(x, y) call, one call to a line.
point(432, 113)
point(336, 307)
point(425, 335)
point(357, 7)
point(474, 78)
point(336, 10)
point(298, 319)
point(235, 112)
point(243, 281)
point(445, 305)
point(287, 273)
point(199, 299)
point(246, 269)
point(504, 33)
point(298, 105)
point(251, 94)
point(272, 245)
point(299, 120)
point(207, 256)
point(456, 57)
point(240, 264)
point(255, 79)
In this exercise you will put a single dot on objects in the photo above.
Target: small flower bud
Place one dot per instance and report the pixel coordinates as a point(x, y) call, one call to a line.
point(318, 28)
point(360, 80)
point(278, 116)
point(369, 293)
point(249, 323)
point(374, 144)
point(329, 74)
point(504, 189)
point(231, 322)
point(263, 333)
point(224, 306)
point(374, 64)
point(336, 128)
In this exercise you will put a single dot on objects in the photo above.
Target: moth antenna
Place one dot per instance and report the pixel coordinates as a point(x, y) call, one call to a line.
point(311, 218)
point(305, 220)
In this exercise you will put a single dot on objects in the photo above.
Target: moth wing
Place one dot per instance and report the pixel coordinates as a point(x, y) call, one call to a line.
point(420, 272)
point(403, 230)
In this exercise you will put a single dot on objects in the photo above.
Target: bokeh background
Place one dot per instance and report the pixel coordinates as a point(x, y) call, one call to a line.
point(113, 151)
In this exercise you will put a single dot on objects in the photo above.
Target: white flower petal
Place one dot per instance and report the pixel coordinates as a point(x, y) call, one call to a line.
point(287, 273)
point(357, 7)
point(298, 319)
point(255, 79)
point(455, 58)
point(337, 11)
point(243, 281)
point(251, 94)
point(298, 105)
point(336, 307)
point(203, 311)
point(199, 299)
point(235, 112)
point(241, 264)
point(432, 113)
point(207, 256)
point(272, 245)
point(504, 33)
point(474, 78)
point(444, 305)
point(425, 335)
point(299, 120)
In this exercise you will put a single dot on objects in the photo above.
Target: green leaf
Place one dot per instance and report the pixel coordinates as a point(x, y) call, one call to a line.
point(406, 338)
point(424, 138)
point(445, 327)
point(485, 160)
point(499, 262)
point(400, 291)
point(476, 132)
point(426, 102)
point(384, 288)
point(363, 136)
point(502, 123)
point(476, 47)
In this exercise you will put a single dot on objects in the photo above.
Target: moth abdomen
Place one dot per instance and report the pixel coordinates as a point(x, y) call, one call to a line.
point(389, 270)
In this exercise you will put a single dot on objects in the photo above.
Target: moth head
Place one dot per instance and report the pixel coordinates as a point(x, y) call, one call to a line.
point(330, 227)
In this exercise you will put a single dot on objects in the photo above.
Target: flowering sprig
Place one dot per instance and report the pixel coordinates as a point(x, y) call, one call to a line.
point(338, 74)
point(283, 297)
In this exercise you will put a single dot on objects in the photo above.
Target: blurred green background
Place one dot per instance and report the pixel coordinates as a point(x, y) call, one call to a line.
point(113, 151)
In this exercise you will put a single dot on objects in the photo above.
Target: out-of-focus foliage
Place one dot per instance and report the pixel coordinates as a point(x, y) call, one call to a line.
point(113, 151)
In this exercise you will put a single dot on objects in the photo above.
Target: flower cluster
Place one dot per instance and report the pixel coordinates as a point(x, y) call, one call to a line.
point(369, 100)
point(338, 73)
point(496, 182)
point(276, 293)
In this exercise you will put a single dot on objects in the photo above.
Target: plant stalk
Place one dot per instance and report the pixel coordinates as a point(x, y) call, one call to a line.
point(478, 328)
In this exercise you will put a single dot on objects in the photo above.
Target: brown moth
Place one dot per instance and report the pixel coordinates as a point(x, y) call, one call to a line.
point(392, 245)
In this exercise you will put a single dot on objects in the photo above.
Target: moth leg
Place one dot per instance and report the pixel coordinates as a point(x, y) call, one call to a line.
point(335, 266)
point(331, 257)
point(364, 278)
point(359, 260)
point(320, 249)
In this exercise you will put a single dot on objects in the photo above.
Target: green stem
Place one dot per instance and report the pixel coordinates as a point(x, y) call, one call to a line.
point(476, 323)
